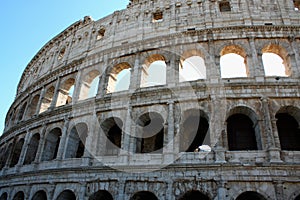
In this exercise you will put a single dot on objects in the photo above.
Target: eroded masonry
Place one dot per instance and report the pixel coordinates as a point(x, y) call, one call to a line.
point(170, 100)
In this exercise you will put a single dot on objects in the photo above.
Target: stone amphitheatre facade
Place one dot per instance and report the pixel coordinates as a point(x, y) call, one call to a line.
point(111, 109)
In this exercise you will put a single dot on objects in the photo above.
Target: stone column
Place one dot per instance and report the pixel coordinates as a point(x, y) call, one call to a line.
point(38, 107)
point(170, 72)
point(222, 191)
point(24, 148)
point(126, 136)
point(257, 65)
point(135, 76)
point(90, 143)
point(55, 95)
point(168, 146)
point(77, 87)
point(295, 59)
point(279, 191)
point(38, 156)
point(103, 81)
point(62, 143)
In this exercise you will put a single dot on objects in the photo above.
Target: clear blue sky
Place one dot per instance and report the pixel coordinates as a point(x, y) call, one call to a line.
point(27, 25)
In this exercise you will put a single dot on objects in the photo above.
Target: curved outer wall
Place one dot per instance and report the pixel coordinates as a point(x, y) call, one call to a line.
point(37, 146)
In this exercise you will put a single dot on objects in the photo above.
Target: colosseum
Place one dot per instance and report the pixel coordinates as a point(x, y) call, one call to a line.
point(166, 99)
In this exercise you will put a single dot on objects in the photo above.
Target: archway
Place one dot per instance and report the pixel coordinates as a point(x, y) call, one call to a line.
point(17, 152)
point(65, 92)
point(144, 195)
point(76, 141)
point(194, 195)
point(19, 196)
point(119, 78)
point(51, 144)
point(89, 86)
point(3, 196)
point(66, 195)
point(32, 149)
point(101, 195)
point(192, 67)
point(40, 195)
point(249, 195)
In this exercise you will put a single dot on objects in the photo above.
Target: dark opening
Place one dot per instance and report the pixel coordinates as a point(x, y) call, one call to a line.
point(113, 143)
point(158, 16)
point(144, 195)
point(3, 196)
point(76, 141)
point(32, 149)
point(51, 145)
point(296, 5)
point(194, 195)
point(289, 132)
point(241, 134)
point(40, 195)
point(225, 6)
point(194, 132)
point(66, 195)
point(16, 153)
point(101, 195)
point(298, 197)
point(19, 196)
point(250, 196)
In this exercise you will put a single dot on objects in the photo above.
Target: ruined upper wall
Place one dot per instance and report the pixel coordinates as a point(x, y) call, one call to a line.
point(143, 20)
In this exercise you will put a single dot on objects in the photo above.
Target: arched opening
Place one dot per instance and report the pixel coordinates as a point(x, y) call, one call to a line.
point(276, 61)
point(119, 78)
point(3, 196)
point(51, 145)
point(296, 5)
point(298, 197)
point(233, 62)
point(66, 195)
point(21, 112)
point(241, 133)
point(112, 128)
point(288, 128)
point(4, 155)
point(144, 195)
point(65, 92)
point(89, 86)
point(250, 196)
point(192, 67)
point(154, 71)
point(224, 6)
point(19, 196)
point(150, 133)
point(101, 195)
point(46, 101)
point(76, 141)
point(195, 127)
point(194, 195)
point(40, 195)
point(16, 153)
point(32, 149)
point(33, 106)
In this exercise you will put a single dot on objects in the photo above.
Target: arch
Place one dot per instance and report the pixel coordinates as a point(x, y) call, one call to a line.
point(47, 99)
point(145, 195)
point(297, 197)
point(112, 128)
point(119, 78)
point(76, 141)
point(276, 61)
point(3, 196)
point(89, 86)
point(288, 128)
point(4, 155)
point(65, 92)
point(21, 112)
point(40, 195)
point(249, 195)
point(194, 195)
point(66, 195)
point(101, 195)
point(194, 135)
point(19, 196)
point(233, 62)
point(154, 71)
point(150, 133)
point(32, 149)
point(17, 152)
point(51, 144)
point(33, 106)
point(192, 66)
point(243, 132)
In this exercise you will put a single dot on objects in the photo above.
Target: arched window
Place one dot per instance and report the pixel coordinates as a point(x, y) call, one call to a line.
point(194, 195)
point(233, 62)
point(195, 127)
point(16, 152)
point(296, 5)
point(145, 195)
point(46, 101)
point(21, 112)
point(66, 195)
point(112, 128)
point(4, 155)
point(89, 86)
point(3, 196)
point(51, 144)
point(192, 67)
point(276, 61)
point(119, 78)
point(250, 195)
point(65, 92)
point(76, 141)
point(150, 133)
point(154, 71)
point(101, 195)
point(40, 195)
point(32, 149)
point(19, 196)
point(33, 106)
point(288, 128)
point(224, 6)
